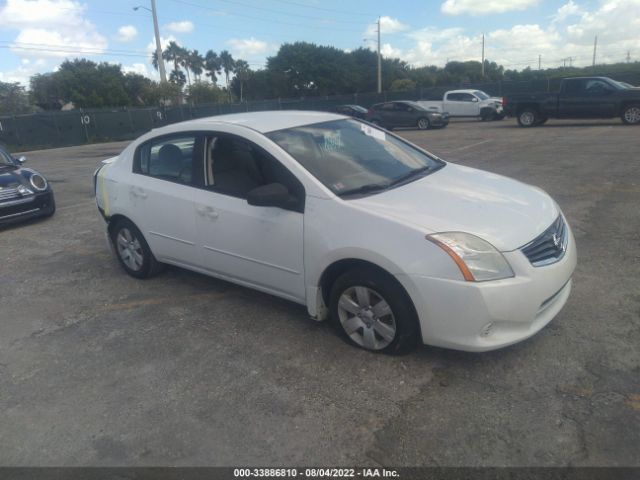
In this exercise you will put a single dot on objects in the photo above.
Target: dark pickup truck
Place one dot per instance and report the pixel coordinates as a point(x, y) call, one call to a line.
point(579, 97)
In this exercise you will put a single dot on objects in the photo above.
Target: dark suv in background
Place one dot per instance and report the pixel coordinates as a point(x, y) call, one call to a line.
point(406, 114)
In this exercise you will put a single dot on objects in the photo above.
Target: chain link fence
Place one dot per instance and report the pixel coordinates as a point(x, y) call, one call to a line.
point(77, 127)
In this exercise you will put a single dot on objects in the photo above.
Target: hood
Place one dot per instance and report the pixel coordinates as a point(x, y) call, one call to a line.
point(502, 211)
point(10, 178)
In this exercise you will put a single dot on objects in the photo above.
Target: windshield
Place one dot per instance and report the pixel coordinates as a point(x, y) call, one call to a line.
point(481, 95)
point(5, 159)
point(350, 157)
point(358, 108)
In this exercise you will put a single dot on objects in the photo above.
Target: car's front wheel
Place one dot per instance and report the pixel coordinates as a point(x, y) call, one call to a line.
point(423, 123)
point(132, 250)
point(631, 115)
point(372, 311)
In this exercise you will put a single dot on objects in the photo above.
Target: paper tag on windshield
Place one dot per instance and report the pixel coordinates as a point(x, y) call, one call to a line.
point(373, 132)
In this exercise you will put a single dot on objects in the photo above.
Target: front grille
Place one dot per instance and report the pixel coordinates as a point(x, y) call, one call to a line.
point(9, 194)
point(549, 246)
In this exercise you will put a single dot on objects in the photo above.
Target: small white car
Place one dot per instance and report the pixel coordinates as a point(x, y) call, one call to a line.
point(467, 103)
point(393, 244)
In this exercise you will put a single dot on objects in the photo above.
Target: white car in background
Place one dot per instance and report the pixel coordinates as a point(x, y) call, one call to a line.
point(467, 103)
point(393, 244)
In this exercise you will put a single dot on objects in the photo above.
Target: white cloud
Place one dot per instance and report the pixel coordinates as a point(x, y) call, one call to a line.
point(567, 10)
point(246, 48)
point(24, 71)
point(388, 26)
point(126, 33)
point(139, 68)
point(569, 33)
point(185, 26)
point(55, 28)
point(476, 7)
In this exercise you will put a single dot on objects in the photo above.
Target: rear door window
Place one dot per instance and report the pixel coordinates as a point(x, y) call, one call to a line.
point(174, 158)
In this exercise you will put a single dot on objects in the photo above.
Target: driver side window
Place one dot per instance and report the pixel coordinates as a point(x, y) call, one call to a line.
point(234, 167)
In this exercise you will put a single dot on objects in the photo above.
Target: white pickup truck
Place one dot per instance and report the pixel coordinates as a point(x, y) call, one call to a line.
point(467, 103)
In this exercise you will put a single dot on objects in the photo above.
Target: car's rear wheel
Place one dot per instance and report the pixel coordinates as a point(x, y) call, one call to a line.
point(132, 250)
point(372, 311)
point(631, 114)
point(423, 123)
point(528, 117)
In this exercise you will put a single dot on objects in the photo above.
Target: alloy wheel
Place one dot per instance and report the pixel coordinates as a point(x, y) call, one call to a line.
point(130, 250)
point(527, 118)
point(366, 317)
point(423, 124)
point(632, 115)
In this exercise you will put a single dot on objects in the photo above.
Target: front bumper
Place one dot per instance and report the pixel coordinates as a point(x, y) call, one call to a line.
point(481, 316)
point(38, 205)
point(439, 120)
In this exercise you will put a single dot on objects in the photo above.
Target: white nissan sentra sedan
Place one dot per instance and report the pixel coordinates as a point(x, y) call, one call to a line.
point(388, 241)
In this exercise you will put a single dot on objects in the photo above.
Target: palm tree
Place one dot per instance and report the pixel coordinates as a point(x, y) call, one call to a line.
point(173, 53)
point(196, 64)
point(242, 72)
point(212, 65)
point(177, 77)
point(227, 63)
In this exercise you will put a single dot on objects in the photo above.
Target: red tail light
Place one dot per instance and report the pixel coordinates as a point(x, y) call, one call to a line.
point(504, 101)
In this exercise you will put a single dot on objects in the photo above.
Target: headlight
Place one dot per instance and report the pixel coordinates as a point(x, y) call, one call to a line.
point(38, 182)
point(477, 259)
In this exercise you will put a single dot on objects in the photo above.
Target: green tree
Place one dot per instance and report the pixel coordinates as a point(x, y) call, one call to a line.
point(212, 65)
point(242, 74)
point(13, 99)
point(196, 64)
point(205, 92)
point(402, 84)
point(227, 63)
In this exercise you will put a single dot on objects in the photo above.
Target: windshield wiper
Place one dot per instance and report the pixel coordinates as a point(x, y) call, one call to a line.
point(410, 175)
point(368, 188)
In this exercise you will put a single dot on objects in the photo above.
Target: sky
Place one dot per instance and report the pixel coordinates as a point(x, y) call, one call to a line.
point(37, 35)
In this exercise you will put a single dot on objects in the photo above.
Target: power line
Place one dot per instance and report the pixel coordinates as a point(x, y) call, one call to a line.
point(325, 9)
point(268, 20)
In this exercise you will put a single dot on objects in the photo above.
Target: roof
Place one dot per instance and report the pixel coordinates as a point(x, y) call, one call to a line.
point(268, 121)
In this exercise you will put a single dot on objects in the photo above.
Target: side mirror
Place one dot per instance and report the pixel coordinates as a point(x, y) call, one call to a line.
point(474, 99)
point(271, 195)
point(21, 159)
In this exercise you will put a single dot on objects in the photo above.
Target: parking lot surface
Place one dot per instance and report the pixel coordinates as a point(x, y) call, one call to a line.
point(97, 368)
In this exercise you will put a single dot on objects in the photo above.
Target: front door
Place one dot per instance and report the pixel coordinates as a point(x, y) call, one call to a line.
point(257, 246)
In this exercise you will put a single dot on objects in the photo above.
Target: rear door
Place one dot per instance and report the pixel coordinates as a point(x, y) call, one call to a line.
point(166, 174)
point(587, 98)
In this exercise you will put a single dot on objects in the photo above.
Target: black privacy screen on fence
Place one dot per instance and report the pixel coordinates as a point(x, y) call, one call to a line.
point(76, 127)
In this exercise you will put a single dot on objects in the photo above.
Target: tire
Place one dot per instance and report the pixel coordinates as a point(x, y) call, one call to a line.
point(631, 114)
point(487, 114)
point(527, 118)
point(423, 123)
point(132, 250)
point(372, 311)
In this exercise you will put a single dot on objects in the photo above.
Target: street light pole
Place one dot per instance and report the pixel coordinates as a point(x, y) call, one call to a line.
point(379, 61)
point(163, 74)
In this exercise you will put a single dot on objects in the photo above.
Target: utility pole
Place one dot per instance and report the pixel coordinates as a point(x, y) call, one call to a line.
point(163, 74)
point(379, 61)
point(628, 56)
point(483, 55)
point(595, 46)
point(539, 62)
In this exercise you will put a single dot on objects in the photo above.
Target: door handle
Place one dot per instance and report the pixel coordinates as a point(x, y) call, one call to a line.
point(207, 212)
point(138, 192)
